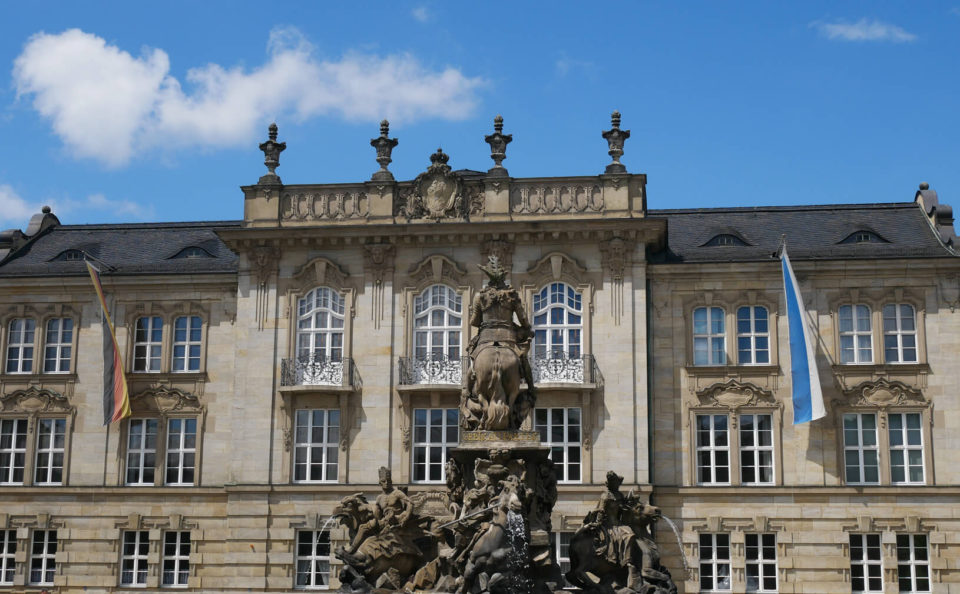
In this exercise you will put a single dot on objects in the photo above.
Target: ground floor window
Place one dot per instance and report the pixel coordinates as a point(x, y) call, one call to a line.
point(761, 562)
point(176, 558)
point(313, 560)
point(133, 563)
point(913, 563)
point(866, 567)
point(714, 562)
point(43, 564)
point(435, 431)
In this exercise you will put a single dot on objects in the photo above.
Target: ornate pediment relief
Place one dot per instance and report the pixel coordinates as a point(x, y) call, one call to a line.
point(883, 393)
point(436, 194)
point(436, 269)
point(557, 266)
point(320, 272)
point(35, 400)
point(733, 395)
point(163, 400)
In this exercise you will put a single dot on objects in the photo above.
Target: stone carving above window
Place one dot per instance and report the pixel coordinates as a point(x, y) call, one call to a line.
point(35, 400)
point(883, 393)
point(557, 266)
point(436, 269)
point(164, 400)
point(734, 395)
point(320, 272)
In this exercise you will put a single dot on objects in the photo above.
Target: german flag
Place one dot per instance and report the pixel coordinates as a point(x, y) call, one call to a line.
point(116, 399)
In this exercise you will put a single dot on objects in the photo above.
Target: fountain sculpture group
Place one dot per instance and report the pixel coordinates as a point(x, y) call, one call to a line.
point(491, 531)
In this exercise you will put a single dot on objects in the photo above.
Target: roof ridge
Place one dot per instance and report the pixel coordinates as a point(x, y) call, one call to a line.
point(805, 207)
point(152, 225)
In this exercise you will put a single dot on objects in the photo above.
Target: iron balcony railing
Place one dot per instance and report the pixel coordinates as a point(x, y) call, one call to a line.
point(559, 367)
point(432, 369)
point(315, 370)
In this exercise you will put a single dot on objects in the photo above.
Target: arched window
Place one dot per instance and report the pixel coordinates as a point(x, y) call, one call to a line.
point(320, 325)
point(558, 322)
point(437, 324)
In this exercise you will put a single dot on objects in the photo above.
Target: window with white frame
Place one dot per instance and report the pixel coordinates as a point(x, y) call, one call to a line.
point(175, 570)
point(560, 430)
point(906, 448)
point(142, 451)
point(43, 564)
point(913, 563)
point(58, 346)
point(899, 333)
point(856, 334)
point(20, 341)
point(714, 562)
point(756, 449)
point(437, 324)
point(181, 451)
point(187, 342)
point(133, 557)
point(561, 545)
point(320, 317)
point(753, 336)
point(709, 336)
point(557, 322)
point(435, 432)
point(316, 451)
point(761, 565)
point(147, 344)
point(860, 449)
point(13, 451)
point(866, 564)
point(713, 450)
point(313, 560)
point(8, 556)
point(51, 445)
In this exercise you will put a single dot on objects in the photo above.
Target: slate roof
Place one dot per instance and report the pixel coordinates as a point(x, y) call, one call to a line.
point(812, 233)
point(141, 248)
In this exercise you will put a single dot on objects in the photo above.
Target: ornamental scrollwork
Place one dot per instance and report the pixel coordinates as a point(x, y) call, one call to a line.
point(35, 400)
point(883, 393)
point(734, 394)
point(165, 400)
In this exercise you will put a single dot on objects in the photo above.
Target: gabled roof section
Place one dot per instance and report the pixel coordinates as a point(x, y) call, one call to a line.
point(142, 248)
point(812, 233)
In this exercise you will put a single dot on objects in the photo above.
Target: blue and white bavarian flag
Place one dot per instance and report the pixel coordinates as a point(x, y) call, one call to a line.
point(807, 397)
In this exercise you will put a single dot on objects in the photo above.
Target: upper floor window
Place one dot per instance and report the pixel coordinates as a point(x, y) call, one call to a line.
point(756, 449)
point(856, 334)
point(560, 430)
point(860, 449)
point(193, 252)
point(320, 317)
point(142, 451)
point(557, 322)
point(435, 433)
point(181, 451)
point(709, 336)
point(20, 344)
point(753, 336)
point(72, 255)
point(316, 452)
point(58, 345)
point(725, 239)
point(899, 333)
point(13, 451)
point(187, 335)
point(906, 448)
point(148, 344)
point(863, 236)
point(438, 323)
point(51, 447)
point(713, 450)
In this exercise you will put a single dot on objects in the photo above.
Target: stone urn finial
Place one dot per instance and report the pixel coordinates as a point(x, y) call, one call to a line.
point(384, 145)
point(271, 155)
point(498, 142)
point(615, 138)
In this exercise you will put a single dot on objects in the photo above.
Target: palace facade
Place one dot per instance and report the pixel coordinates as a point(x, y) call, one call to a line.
point(275, 363)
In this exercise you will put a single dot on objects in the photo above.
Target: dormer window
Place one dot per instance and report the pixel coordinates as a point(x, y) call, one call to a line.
point(864, 236)
point(725, 239)
point(70, 256)
point(193, 252)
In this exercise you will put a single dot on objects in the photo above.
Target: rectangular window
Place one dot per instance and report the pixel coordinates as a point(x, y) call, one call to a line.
point(58, 345)
point(147, 341)
point(8, 554)
point(20, 340)
point(43, 565)
point(562, 549)
point(866, 567)
point(761, 562)
point(709, 337)
point(756, 449)
point(142, 451)
point(187, 332)
point(133, 559)
point(51, 443)
point(13, 450)
point(181, 451)
point(560, 429)
point(906, 448)
point(860, 455)
point(713, 450)
point(913, 563)
point(753, 336)
point(313, 560)
point(435, 431)
point(899, 333)
point(856, 334)
point(317, 446)
point(176, 559)
point(714, 562)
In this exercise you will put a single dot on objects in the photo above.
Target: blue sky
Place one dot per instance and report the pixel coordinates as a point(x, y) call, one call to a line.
point(116, 112)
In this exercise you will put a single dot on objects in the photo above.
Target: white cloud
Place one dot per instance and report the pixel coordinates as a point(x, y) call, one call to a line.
point(14, 210)
point(108, 105)
point(864, 30)
point(421, 13)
